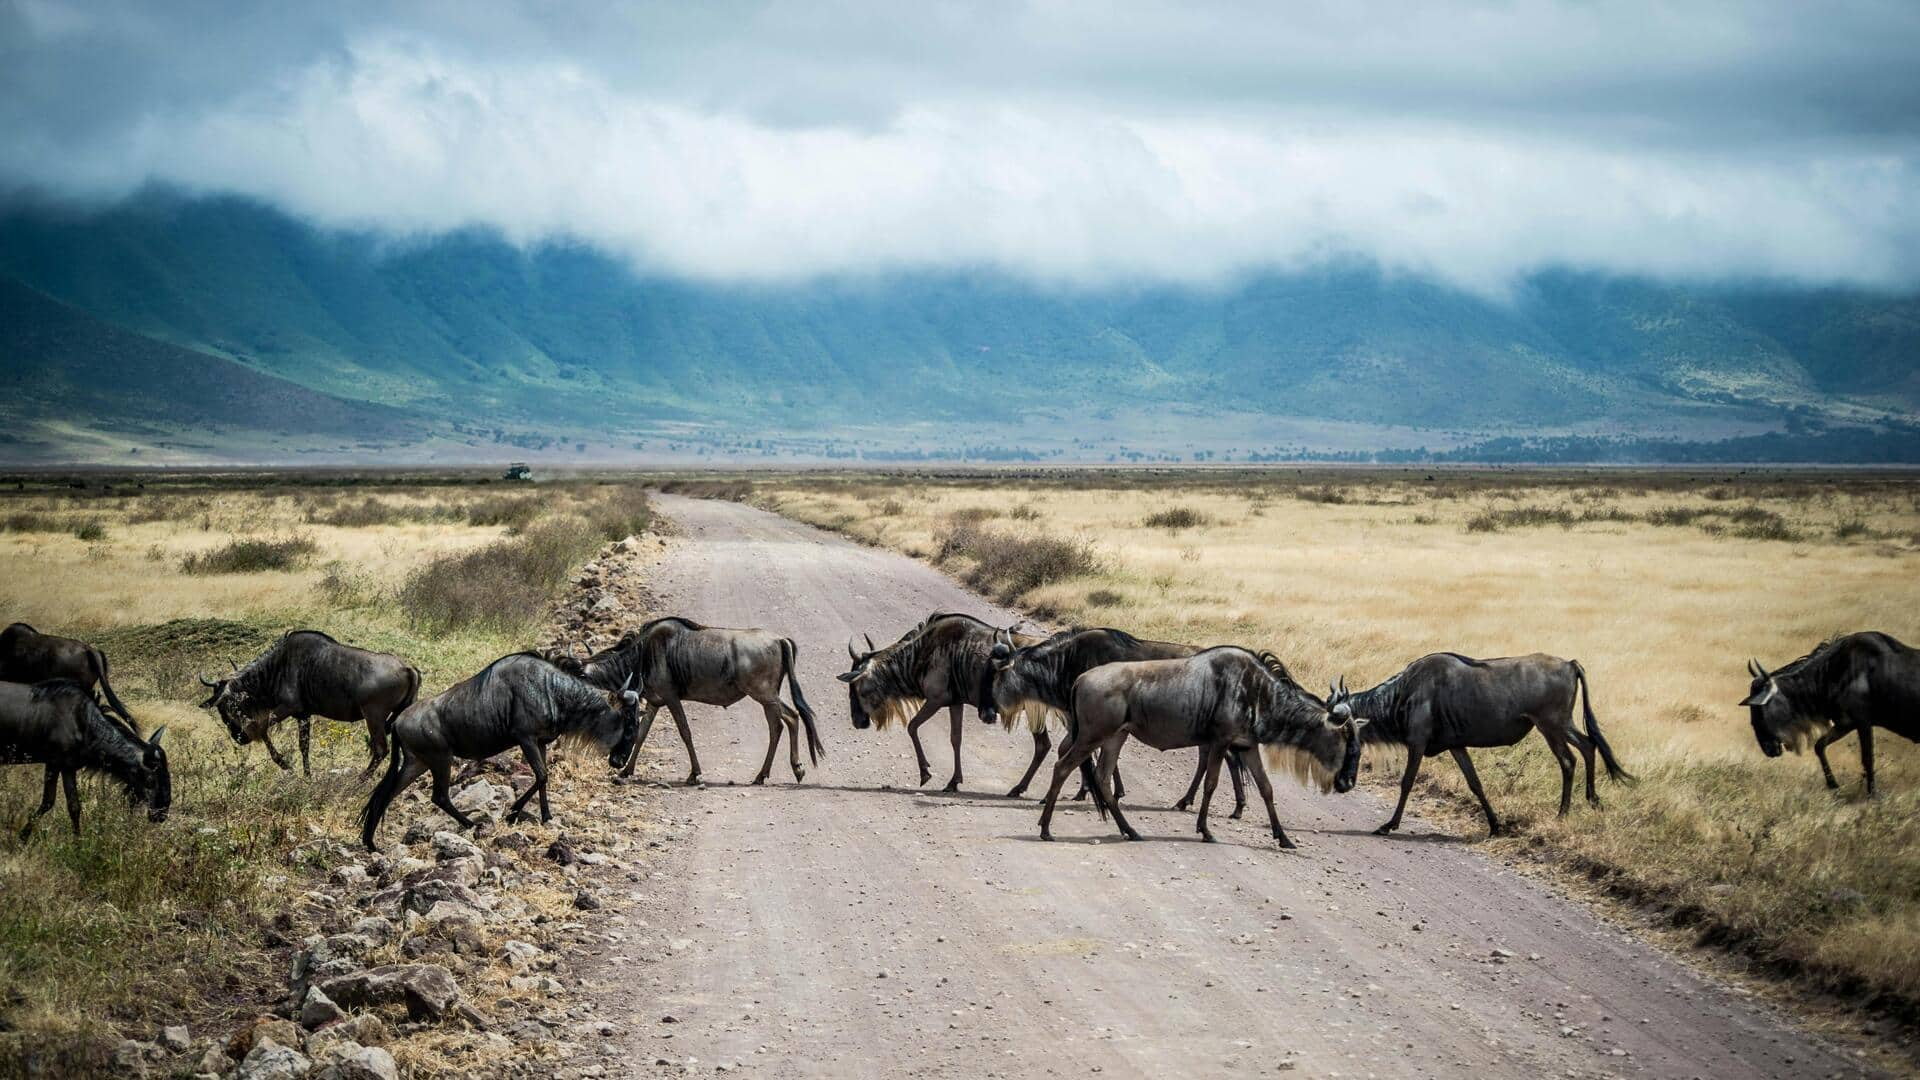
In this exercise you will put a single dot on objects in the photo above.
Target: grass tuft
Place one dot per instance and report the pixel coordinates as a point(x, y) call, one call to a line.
point(252, 555)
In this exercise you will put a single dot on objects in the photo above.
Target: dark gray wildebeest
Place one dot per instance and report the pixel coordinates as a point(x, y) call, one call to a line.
point(1448, 702)
point(674, 660)
point(1037, 681)
point(943, 663)
point(29, 656)
point(307, 674)
point(1850, 684)
point(1225, 700)
point(58, 724)
point(518, 700)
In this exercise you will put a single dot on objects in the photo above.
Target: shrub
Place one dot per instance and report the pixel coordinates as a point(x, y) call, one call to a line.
point(1025, 512)
point(1176, 517)
point(973, 515)
point(516, 512)
point(503, 585)
point(622, 512)
point(1105, 598)
point(90, 529)
point(1012, 564)
point(29, 521)
point(251, 555)
point(1850, 529)
point(890, 508)
point(1675, 515)
point(1325, 494)
point(363, 514)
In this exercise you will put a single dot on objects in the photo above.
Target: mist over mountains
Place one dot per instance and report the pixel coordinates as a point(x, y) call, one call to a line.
point(169, 328)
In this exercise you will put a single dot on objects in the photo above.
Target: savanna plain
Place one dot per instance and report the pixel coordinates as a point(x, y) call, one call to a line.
point(1661, 584)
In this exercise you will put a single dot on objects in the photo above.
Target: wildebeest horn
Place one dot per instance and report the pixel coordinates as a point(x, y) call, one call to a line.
point(154, 739)
point(235, 666)
point(208, 683)
point(1343, 682)
point(871, 647)
point(628, 685)
point(853, 651)
point(1753, 667)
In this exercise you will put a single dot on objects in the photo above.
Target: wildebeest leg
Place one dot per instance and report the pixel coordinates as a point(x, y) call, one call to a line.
point(1103, 776)
point(774, 727)
point(266, 737)
point(1838, 732)
point(1866, 754)
point(792, 720)
point(1239, 785)
point(306, 740)
point(1461, 759)
point(1563, 754)
point(640, 740)
point(1585, 746)
point(686, 736)
point(1042, 742)
point(69, 782)
point(537, 761)
point(913, 732)
point(1199, 774)
point(953, 717)
point(442, 780)
point(376, 740)
point(1250, 761)
point(47, 797)
point(1214, 755)
point(1071, 755)
point(1119, 782)
point(1406, 788)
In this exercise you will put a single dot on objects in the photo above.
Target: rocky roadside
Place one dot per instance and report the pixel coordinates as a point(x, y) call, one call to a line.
point(450, 953)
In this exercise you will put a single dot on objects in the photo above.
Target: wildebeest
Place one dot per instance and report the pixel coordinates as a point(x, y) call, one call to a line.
point(58, 724)
point(518, 700)
point(674, 660)
point(1852, 683)
point(1037, 680)
point(29, 656)
point(1448, 702)
point(1225, 700)
point(943, 663)
point(307, 674)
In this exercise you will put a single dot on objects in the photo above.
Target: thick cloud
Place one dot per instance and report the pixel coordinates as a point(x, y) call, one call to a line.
point(1064, 141)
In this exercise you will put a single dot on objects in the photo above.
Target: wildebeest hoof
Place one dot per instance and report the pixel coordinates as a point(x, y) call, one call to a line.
point(1207, 838)
point(519, 817)
point(1045, 835)
point(952, 785)
point(1131, 835)
point(1385, 830)
point(1017, 792)
point(1182, 805)
point(759, 780)
point(1286, 843)
point(924, 777)
point(1235, 816)
point(799, 772)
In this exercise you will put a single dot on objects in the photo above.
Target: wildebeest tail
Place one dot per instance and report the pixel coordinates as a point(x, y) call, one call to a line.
point(1614, 771)
point(383, 794)
point(789, 653)
point(99, 661)
point(413, 692)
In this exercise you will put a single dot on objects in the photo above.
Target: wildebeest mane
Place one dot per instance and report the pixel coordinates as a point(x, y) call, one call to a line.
point(110, 743)
point(899, 670)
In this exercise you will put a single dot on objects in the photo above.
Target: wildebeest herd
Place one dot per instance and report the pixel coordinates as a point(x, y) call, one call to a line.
point(1102, 686)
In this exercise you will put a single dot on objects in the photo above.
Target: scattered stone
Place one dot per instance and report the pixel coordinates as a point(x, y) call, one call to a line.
point(132, 1055)
point(361, 1063)
point(333, 1043)
point(586, 901)
point(560, 852)
point(318, 1010)
point(176, 1037)
point(284, 1032)
point(519, 955)
point(215, 1061)
point(427, 990)
point(350, 875)
point(268, 1060)
point(451, 845)
point(477, 796)
point(373, 928)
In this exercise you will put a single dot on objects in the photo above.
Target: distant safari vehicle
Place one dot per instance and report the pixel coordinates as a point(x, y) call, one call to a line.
point(518, 470)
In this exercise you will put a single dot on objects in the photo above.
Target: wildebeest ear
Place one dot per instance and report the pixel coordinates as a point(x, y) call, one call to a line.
point(1000, 651)
point(153, 740)
point(1361, 721)
point(847, 676)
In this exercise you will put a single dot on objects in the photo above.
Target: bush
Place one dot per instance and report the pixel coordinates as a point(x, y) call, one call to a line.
point(1327, 494)
point(252, 555)
point(90, 530)
point(1851, 529)
point(516, 512)
point(29, 521)
point(363, 514)
point(504, 585)
point(1176, 517)
point(1012, 564)
point(1025, 512)
point(974, 515)
point(1105, 598)
point(624, 511)
point(1675, 515)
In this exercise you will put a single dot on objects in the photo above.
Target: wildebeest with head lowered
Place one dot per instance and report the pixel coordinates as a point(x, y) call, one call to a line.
point(943, 663)
point(518, 700)
point(29, 656)
point(1850, 684)
point(1036, 680)
point(1225, 700)
point(1448, 702)
point(307, 674)
point(673, 660)
point(57, 724)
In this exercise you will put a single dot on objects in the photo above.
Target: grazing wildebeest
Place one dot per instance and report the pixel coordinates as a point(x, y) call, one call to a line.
point(943, 663)
point(520, 700)
point(58, 724)
point(307, 674)
point(1852, 683)
point(29, 656)
point(1448, 702)
point(674, 660)
point(1037, 680)
point(1225, 700)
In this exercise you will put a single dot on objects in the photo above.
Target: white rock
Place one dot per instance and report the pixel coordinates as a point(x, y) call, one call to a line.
point(268, 1060)
point(476, 796)
point(362, 1063)
point(451, 845)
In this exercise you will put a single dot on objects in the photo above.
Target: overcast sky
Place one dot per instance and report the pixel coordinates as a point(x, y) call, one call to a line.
point(1064, 141)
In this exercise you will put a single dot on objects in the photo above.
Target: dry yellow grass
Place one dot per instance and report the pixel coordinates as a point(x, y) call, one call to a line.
point(1359, 575)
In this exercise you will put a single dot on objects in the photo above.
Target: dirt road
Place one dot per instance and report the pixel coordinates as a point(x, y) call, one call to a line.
point(854, 925)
